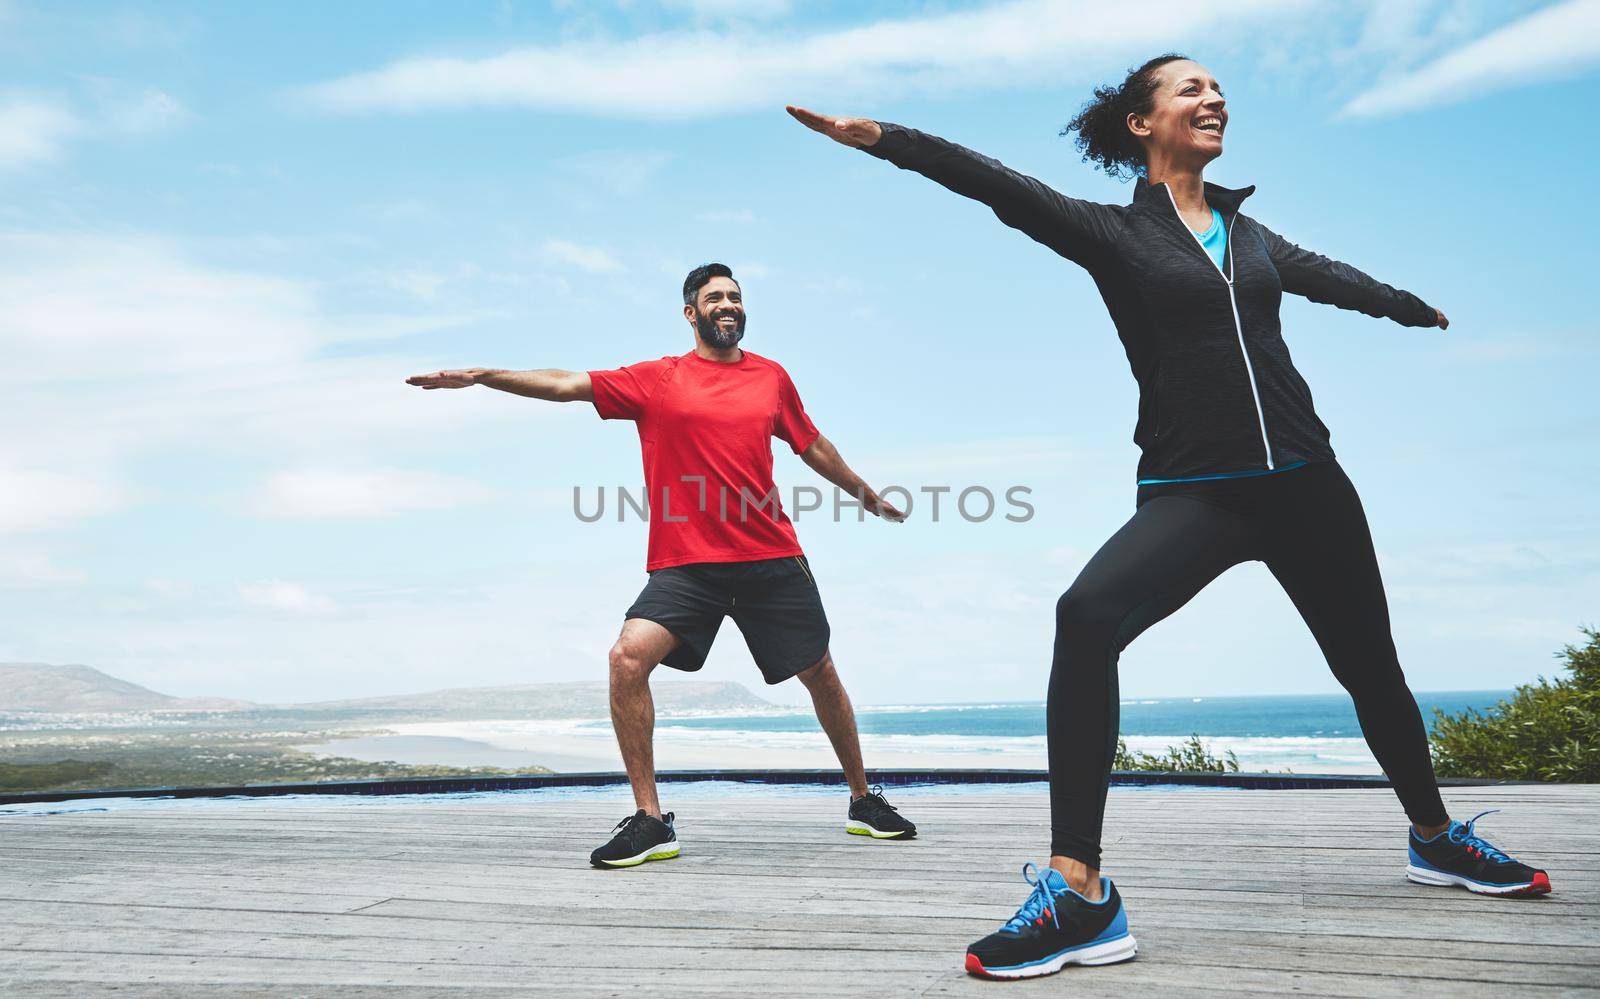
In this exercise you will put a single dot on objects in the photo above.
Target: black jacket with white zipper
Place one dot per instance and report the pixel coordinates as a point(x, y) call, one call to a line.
point(1218, 392)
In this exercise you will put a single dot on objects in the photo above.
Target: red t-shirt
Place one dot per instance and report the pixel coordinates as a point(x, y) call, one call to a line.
point(707, 429)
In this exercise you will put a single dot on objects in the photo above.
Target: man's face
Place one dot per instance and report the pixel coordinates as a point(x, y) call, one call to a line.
point(719, 313)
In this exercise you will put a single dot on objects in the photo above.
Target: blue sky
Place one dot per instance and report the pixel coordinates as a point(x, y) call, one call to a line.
point(229, 232)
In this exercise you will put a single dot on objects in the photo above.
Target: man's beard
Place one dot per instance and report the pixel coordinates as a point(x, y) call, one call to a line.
point(714, 335)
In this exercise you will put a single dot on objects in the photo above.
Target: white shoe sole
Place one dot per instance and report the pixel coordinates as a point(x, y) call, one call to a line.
point(856, 828)
point(1439, 879)
point(665, 851)
point(1123, 948)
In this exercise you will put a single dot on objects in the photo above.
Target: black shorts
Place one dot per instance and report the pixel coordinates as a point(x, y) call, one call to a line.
point(774, 602)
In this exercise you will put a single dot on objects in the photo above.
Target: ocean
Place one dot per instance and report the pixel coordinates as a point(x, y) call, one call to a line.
point(1308, 734)
point(1308, 715)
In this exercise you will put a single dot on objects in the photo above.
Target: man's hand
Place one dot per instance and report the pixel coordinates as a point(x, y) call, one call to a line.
point(876, 504)
point(856, 132)
point(446, 379)
point(824, 459)
point(550, 384)
point(1443, 323)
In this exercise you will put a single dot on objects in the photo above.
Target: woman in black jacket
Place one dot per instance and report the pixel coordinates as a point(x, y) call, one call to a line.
point(1235, 467)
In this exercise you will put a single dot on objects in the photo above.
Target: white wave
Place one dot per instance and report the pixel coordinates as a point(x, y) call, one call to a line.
point(922, 709)
point(775, 711)
point(683, 747)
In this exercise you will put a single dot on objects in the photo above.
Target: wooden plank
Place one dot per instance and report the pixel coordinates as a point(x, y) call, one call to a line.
point(344, 938)
point(492, 893)
point(982, 911)
point(403, 919)
point(687, 979)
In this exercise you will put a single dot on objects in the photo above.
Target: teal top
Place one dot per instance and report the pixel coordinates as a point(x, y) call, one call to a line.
point(1215, 239)
point(1252, 473)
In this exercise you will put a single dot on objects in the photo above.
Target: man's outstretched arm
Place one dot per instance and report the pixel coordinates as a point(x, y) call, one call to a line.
point(824, 459)
point(551, 384)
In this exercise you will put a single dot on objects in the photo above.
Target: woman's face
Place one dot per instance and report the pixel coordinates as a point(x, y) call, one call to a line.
point(1187, 119)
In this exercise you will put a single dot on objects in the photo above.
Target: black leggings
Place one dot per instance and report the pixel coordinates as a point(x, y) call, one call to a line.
point(1307, 525)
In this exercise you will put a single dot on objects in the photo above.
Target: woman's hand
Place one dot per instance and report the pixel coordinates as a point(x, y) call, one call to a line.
point(856, 132)
point(1443, 323)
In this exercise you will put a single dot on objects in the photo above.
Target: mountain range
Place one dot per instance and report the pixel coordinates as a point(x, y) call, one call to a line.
point(75, 689)
point(46, 687)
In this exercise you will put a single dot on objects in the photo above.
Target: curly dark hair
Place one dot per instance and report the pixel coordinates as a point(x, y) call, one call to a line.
point(1102, 123)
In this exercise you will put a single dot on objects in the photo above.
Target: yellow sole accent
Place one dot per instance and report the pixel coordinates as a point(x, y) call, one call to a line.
point(663, 855)
point(864, 830)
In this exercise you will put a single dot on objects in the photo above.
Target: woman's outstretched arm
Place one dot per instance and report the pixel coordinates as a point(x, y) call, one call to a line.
point(1331, 282)
point(1081, 231)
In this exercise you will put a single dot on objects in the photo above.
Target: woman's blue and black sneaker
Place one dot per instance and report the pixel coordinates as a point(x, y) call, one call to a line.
point(1459, 856)
point(1054, 928)
point(639, 837)
point(872, 815)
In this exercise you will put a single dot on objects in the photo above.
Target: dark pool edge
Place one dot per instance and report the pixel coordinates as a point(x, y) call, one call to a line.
point(889, 778)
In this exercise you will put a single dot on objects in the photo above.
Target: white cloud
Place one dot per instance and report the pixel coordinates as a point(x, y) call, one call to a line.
point(1556, 42)
point(623, 172)
point(586, 258)
point(282, 596)
point(418, 283)
point(674, 75)
point(739, 216)
point(411, 210)
point(335, 493)
point(144, 316)
point(36, 130)
point(33, 131)
point(734, 10)
point(1391, 35)
point(30, 569)
point(134, 348)
point(33, 499)
point(151, 111)
point(132, 306)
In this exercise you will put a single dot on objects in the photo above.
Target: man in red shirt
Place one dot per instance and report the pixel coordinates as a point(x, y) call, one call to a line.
point(720, 543)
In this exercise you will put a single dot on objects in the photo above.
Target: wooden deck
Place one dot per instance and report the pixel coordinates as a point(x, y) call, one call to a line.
point(1228, 892)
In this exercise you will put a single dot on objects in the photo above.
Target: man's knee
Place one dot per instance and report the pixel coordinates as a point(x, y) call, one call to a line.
point(819, 674)
point(628, 663)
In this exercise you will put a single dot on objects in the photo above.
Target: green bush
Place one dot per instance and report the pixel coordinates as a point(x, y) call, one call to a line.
point(1190, 757)
point(1549, 730)
point(43, 776)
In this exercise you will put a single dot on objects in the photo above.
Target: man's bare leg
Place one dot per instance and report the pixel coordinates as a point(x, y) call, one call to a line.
point(639, 649)
point(838, 719)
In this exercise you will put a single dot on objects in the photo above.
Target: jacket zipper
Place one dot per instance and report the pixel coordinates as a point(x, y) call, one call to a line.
point(1238, 328)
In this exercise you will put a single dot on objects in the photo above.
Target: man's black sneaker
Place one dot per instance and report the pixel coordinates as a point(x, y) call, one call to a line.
point(639, 838)
point(872, 815)
point(1054, 928)
point(1458, 856)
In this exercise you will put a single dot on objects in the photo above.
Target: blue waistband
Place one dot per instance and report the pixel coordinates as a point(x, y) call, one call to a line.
point(1226, 475)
